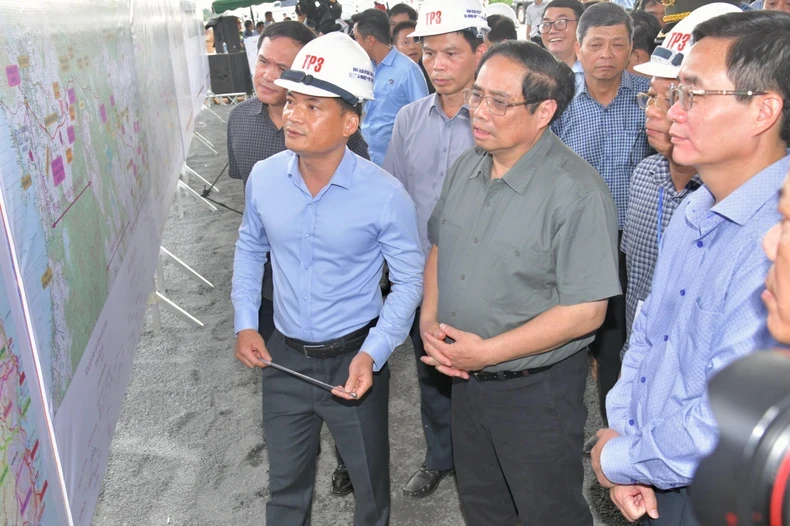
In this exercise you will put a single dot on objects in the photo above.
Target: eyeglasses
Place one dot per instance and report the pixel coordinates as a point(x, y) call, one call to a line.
point(559, 25)
point(645, 100)
point(499, 107)
point(685, 95)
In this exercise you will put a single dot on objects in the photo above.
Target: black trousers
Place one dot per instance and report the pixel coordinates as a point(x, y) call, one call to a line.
point(518, 447)
point(674, 509)
point(435, 407)
point(609, 340)
point(293, 412)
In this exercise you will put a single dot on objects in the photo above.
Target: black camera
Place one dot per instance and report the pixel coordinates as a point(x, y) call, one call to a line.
point(745, 480)
point(321, 14)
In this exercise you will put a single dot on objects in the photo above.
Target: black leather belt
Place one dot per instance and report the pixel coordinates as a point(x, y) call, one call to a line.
point(329, 349)
point(483, 376)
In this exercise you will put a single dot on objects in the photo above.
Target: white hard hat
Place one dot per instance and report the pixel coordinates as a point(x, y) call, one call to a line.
point(438, 17)
point(332, 65)
point(666, 58)
point(502, 9)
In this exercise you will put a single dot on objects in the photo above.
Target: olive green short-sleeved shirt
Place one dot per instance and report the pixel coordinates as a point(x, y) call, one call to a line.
point(544, 234)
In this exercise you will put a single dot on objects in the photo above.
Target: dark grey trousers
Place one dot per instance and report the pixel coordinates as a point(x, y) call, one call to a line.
point(293, 412)
point(435, 391)
point(674, 509)
point(518, 447)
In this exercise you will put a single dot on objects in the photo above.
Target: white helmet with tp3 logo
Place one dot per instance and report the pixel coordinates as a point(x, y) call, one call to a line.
point(438, 17)
point(333, 65)
point(666, 58)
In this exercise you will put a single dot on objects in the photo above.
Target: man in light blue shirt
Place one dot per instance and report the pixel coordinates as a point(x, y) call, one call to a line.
point(428, 137)
point(558, 34)
point(705, 310)
point(330, 220)
point(398, 80)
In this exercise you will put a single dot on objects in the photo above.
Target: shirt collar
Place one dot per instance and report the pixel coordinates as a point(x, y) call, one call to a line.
point(263, 109)
point(744, 202)
point(390, 58)
point(342, 176)
point(577, 67)
point(521, 173)
point(662, 177)
point(435, 104)
point(626, 83)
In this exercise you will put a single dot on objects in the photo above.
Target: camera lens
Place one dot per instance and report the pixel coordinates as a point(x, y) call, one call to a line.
point(745, 480)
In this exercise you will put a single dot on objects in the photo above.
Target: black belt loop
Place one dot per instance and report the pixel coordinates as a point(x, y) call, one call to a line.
point(331, 348)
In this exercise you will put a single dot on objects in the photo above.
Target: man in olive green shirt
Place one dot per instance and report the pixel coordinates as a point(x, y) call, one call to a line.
point(524, 258)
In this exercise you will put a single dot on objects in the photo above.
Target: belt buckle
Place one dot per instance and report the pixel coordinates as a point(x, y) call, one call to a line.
point(306, 349)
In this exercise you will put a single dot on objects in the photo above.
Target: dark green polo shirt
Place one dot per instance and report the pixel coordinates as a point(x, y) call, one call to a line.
point(544, 234)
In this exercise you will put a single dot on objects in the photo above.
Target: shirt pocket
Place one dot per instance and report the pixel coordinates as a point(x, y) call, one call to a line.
point(628, 155)
point(519, 278)
point(381, 90)
point(705, 325)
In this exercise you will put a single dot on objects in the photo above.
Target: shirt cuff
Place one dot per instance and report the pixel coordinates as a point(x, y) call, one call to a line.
point(245, 319)
point(616, 464)
point(378, 349)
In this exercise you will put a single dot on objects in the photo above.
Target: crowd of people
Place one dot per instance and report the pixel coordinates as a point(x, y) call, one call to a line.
point(611, 188)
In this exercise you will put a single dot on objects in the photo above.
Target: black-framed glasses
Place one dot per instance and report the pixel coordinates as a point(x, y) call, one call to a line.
point(559, 24)
point(684, 94)
point(645, 100)
point(474, 98)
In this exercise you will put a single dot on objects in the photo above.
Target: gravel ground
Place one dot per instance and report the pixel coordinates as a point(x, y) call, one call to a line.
point(189, 447)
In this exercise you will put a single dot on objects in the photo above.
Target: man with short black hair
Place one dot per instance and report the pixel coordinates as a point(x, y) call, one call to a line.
point(255, 133)
point(605, 125)
point(401, 13)
point(248, 29)
point(398, 80)
point(523, 259)
point(259, 27)
point(646, 29)
point(705, 309)
point(502, 28)
point(268, 18)
point(655, 8)
point(558, 33)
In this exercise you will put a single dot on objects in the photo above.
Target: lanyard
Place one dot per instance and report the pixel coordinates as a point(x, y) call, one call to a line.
point(660, 212)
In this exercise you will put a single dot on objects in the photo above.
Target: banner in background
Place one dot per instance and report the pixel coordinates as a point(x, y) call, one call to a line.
point(96, 118)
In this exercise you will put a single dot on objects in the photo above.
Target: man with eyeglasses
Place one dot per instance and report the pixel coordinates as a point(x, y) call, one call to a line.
point(558, 33)
point(522, 262)
point(605, 125)
point(428, 137)
point(730, 121)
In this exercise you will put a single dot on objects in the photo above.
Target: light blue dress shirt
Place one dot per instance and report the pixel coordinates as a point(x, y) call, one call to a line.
point(703, 313)
point(612, 138)
point(397, 81)
point(425, 143)
point(328, 252)
point(578, 73)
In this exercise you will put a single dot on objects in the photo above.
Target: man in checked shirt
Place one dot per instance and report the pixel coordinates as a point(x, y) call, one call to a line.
point(606, 127)
point(255, 133)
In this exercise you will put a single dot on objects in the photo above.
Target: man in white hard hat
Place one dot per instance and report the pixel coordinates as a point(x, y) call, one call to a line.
point(729, 121)
point(330, 219)
point(524, 257)
point(427, 138)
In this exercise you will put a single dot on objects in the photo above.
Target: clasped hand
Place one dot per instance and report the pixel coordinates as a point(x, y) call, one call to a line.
point(467, 353)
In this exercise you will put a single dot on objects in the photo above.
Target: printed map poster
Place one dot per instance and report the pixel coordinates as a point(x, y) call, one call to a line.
point(30, 490)
point(90, 150)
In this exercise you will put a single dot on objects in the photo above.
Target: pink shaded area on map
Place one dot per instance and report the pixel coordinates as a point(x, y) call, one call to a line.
point(112, 100)
point(58, 171)
point(12, 73)
point(70, 132)
point(103, 113)
point(72, 96)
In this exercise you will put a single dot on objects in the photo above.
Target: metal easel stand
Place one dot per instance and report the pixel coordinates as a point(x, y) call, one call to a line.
point(184, 188)
point(233, 98)
point(158, 298)
point(189, 171)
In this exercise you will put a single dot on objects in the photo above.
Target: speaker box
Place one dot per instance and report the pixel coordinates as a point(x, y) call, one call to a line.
point(230, 73)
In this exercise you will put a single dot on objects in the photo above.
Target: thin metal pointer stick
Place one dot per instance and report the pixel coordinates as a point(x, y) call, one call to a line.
point(306, 378)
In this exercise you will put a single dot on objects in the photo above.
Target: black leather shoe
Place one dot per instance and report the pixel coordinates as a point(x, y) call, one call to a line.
point(341, 481)
point(424, 482)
